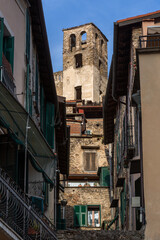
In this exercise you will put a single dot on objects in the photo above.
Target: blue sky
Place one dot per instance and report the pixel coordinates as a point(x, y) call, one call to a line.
point(61, 14)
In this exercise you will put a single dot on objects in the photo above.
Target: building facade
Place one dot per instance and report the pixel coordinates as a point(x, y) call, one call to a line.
point(83, 82)
point(130, 123)
point(29, 114)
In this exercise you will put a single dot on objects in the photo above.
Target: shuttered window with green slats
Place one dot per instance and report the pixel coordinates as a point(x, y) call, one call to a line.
point(105, 177)
point(8, 50)
point(27, 36)
point(80, 215)
point(50, 123)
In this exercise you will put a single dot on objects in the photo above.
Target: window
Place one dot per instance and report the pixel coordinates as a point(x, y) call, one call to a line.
point(87, 216)
point(72, 41)
point(90, 161)
point(93, 216)
point(102, 43)
point(78, 60)
point(78, 92)
point(83, 37)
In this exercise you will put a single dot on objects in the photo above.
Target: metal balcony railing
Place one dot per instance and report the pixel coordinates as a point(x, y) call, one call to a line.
point(8, 80)
point(149, 41)
point(17, 211)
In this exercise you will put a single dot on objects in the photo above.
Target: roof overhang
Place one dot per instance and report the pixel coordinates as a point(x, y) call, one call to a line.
point(42, 46)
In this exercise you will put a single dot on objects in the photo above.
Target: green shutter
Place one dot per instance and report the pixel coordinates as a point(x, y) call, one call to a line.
point(8, 48)
point(30, 102)
point(1, 39)
point(83, 215)
point(42, 109)
point(77, 216)
point(27, 36)
point(27, 89)
point(50, 123)
point(36, 82)
point(80, 215)
point(105, 177)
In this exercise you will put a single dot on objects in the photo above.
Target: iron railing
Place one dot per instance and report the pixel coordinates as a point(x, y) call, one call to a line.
point(8, 80)
point(17, 211)
point(149, 41)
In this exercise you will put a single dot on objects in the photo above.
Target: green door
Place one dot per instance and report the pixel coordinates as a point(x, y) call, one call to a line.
point(8, 48)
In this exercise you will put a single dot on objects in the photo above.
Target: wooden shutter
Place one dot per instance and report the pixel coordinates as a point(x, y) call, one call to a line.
point(80, 215)
point(27, 36)
point(93, 161)
point(8, 49)
point(1, 39)
point(83, 215)
point(105, 177)
point(50, 123)
point(77, 216)
point(87, 161)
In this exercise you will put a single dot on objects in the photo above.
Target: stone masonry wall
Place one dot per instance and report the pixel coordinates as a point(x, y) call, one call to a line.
point(76, 153)
point(86, 196)
point(92, 75)
point(100, 235)
point(58, 77)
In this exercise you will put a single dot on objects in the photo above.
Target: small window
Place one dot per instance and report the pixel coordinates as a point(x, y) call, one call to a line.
point(93, 216)
point(78, 60)
point(90, 161)
point(59, 77)
point(78, 93)
point(100, 67)
point(83, 37)
point(72, 41)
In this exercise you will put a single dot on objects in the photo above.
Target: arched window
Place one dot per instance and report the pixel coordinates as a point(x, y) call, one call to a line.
point(102, 43)
point(72, 41)
point(83, 37)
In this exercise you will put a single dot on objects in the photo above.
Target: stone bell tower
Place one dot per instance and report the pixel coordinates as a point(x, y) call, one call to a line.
point(85, 63)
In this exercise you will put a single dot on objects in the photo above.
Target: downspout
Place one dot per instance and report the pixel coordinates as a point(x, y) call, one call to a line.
point(115, 46)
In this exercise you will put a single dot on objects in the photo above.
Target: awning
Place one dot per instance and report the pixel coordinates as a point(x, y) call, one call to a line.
point(14, 117)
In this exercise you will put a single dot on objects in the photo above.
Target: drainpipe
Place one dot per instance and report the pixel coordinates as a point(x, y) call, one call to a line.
point(25, 158)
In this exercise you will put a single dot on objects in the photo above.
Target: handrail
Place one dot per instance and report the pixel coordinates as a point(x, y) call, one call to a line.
point(149, 41)
point(17, 212)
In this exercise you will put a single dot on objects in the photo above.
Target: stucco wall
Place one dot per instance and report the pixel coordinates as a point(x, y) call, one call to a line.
point(150, 88)
point(15, 20)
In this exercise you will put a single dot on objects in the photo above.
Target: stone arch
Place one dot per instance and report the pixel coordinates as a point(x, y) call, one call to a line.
point(72, 42)
point(83, 37)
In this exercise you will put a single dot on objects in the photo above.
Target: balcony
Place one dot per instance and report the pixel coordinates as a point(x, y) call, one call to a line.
point(149, 41)
point(17, 212)
point(6, 75)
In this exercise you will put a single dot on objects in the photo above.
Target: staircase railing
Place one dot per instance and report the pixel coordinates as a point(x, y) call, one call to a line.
point(17, 212)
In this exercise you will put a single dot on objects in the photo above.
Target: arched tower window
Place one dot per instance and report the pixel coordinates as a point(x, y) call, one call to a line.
point(72, 41)
point(102, 43)
point(83, 37)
